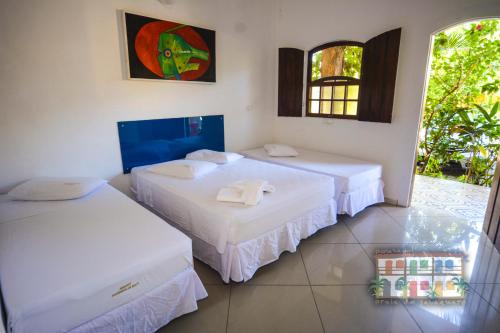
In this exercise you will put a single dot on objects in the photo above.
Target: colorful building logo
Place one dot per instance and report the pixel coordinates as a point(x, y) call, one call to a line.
point(419, 275)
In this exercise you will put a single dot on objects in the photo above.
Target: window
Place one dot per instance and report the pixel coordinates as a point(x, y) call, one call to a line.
point(334, 72)
point(400, 283)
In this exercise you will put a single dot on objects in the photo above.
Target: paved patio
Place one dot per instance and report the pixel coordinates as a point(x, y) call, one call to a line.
point(461, 200)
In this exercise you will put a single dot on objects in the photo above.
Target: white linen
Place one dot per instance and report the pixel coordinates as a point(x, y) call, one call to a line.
point(350, 174)
point(192, 205)
point(183, 168)
point(55, 188)
point(62, 262)
point(358, 183)
point(279, 150)
point(239, 262)
point(218, 157)
point(152, 310)
point(248, 192)
point(355, 201)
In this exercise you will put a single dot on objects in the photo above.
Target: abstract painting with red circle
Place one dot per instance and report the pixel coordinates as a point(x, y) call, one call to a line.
point(166, 50)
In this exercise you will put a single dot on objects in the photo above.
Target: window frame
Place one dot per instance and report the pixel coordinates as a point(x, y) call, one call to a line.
point(321, 82)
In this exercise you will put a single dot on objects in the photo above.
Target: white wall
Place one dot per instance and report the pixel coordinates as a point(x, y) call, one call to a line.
point(62, 86)
point(305, 24)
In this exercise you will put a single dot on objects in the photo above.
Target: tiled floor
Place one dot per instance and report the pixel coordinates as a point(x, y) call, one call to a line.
point(455, 198)
point(323, 287)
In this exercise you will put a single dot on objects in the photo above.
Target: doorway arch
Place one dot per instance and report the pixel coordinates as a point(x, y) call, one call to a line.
point(471, 22)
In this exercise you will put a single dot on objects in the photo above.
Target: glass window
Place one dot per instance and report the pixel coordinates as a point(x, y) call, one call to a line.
point(326, 107)
point(315, 93)
point(342, 60)
point(334, 77)
point(314, 106)
point(326, 92)
point(338, 108)
point(352, 108)
point(352, 92)
point(339, 92)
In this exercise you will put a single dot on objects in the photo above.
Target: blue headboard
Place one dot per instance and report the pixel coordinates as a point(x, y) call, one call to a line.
point(145, 142)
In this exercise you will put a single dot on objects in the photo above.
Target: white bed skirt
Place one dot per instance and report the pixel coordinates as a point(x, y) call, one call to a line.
point(239, 262)
point(153, 310)
point(353, 202)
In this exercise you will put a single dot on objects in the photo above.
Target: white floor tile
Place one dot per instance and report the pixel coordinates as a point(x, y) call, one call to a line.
point(474, 315)
point(334, 264)
point(490, 292)
point(276, 309)
point(351, 309)
point(378, 228)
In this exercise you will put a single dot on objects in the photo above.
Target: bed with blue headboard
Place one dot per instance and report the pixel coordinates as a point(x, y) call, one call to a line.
point(145, 142)
point(233, 238)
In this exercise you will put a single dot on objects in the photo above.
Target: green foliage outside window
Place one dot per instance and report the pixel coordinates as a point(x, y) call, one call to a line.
point(316, 66)
point(461, 119)
point(351, 62)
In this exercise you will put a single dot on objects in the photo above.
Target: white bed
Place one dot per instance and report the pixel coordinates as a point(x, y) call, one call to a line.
point(98, 263)
point(232, 238)
point(358, 184)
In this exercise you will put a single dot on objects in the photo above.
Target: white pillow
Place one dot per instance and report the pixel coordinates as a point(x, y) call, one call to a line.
point(218, 157)
point(55, 188)
point(183, 168)
point(278, 150)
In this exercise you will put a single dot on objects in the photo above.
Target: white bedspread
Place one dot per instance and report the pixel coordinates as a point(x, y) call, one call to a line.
point(64, 263)
point(350, 174)
point(152, 310)
point(358, 184)
point(192, 204)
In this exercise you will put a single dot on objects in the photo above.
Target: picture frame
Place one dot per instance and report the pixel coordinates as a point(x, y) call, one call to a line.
point(164, 50)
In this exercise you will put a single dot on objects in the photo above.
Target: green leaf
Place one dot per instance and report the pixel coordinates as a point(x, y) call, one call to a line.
point(483, 151)
point(483, 111)
point(465, 116)
point(491, 87)
point(494, 110)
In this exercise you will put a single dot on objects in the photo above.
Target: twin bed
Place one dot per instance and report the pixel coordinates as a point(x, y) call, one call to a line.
point(98, 263)
point(103, 263)
point(358, 184)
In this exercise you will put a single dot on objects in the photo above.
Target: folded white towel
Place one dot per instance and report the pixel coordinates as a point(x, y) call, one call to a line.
point(248, 192)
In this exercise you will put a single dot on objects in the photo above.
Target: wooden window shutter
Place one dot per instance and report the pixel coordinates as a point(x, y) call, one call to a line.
point(378, 77)
point(290, 82)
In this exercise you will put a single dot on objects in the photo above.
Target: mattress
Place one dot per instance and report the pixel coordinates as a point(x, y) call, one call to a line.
point(192, 204)
point(350, 174)
point(64, 263)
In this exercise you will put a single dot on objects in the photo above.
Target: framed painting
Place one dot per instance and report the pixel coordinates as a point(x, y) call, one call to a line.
point(165, 50)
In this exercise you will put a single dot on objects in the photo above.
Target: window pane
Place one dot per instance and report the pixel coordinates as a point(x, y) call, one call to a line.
point(352, 108)
point(325, 107)
point(326, 93)
point(314, 107)
point(352, 61)
point(338, 107)
point(352, 92)
point(342, 60)
point(339, 92)
point(314, 92)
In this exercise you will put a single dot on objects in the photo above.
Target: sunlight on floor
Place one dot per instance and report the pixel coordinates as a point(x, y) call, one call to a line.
point(459, 199)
